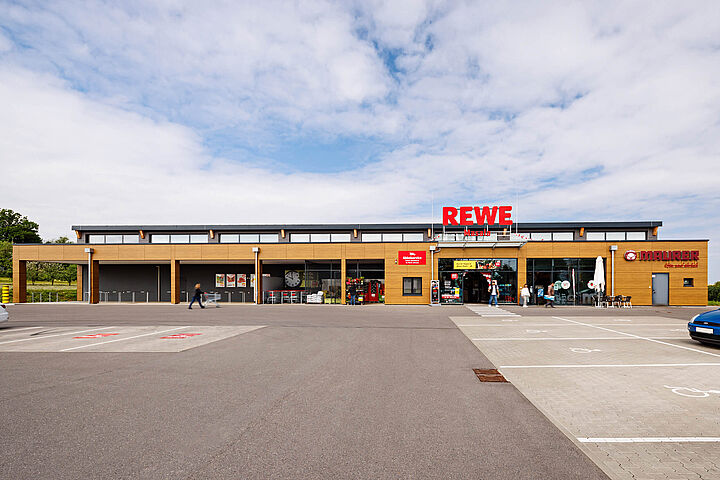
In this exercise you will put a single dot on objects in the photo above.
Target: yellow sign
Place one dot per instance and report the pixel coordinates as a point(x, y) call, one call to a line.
point(464, 264)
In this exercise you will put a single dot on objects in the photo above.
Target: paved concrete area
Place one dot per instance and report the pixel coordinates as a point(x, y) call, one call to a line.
point(318, 392)
point(639, 396)
point(115, 339)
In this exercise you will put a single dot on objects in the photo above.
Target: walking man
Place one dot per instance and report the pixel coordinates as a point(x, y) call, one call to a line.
point(197, 297)
point(493, 289)
point(550, 297)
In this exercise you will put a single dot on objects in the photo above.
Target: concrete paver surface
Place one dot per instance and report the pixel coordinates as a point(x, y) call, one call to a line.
point(318, 392)
point(639, 396)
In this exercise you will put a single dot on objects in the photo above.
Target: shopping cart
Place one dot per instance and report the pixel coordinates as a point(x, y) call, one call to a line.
point(212, 299)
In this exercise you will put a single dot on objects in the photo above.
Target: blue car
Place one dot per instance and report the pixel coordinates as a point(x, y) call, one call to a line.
point(705, 327)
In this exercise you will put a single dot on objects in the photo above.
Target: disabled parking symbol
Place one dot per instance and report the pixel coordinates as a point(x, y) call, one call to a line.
point(182, 335)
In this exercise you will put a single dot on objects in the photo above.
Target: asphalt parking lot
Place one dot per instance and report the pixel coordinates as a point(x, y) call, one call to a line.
point(157, 391)
point(641, 397)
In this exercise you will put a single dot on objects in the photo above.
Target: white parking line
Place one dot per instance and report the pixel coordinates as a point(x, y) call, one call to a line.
point(55, 335)
point(638, 336)
point(649, 440)
point(614, 365)
point(569, 338)
point(121, 339)
point(530, 324)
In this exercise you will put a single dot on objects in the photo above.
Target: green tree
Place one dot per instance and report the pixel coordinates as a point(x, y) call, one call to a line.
point(61, 240)
point(5, 259)
point(714, 292)
point(36, 271)
point(17, 229)
point(68, 274)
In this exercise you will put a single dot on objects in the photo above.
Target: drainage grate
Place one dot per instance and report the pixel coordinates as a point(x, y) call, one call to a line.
point(489, 375)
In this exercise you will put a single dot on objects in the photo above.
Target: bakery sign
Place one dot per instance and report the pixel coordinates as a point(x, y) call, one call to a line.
point(411, 257)
point(689, 258)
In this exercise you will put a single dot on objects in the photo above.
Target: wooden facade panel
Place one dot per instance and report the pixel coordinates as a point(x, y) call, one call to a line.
point(374, 250)
point(157, 252)
point(131, 252)
point(299, 252)
point(327, 251)
point(355, 250)
point(241, 252)
point(270, 251)
point(187, 252)
point(107, 252)
point(214, 252)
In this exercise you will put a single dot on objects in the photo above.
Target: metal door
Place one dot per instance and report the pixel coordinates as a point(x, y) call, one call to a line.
point(660, 288)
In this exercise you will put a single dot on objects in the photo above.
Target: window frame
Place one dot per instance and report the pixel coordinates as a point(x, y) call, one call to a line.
point(415, 289)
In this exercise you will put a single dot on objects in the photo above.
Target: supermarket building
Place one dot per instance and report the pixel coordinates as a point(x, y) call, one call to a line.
point(403, 263)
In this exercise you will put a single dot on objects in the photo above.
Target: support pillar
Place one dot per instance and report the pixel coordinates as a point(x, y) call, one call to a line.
point(19, 281)
point(79, 295)
point(95, 282)
point(343, 280)
point(175, 281)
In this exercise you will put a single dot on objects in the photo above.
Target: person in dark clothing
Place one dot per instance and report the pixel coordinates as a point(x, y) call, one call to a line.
point(550, 297)
point(197, 297)
point(353, 294)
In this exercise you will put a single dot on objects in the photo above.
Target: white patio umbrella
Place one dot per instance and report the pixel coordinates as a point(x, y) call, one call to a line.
point(599, 277)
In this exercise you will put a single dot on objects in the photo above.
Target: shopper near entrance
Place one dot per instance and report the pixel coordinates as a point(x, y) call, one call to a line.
point(353, 294)
point(197, 297)
point(550, 297)
point(493, 289)
point(525, 294)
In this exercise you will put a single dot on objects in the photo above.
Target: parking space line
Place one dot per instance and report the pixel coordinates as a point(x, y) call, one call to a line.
point(55, 335)
point(577, 365)
point(638, 336)
point(649, 440)
point(121, 339)
point(566, 338)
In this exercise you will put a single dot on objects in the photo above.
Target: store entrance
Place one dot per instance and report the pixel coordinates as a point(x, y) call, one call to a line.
point(476, 287)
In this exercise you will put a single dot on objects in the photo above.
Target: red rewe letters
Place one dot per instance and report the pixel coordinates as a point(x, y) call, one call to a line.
point(482, 215)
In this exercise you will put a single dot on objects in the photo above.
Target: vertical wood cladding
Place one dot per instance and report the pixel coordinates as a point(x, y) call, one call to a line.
point(631, 277)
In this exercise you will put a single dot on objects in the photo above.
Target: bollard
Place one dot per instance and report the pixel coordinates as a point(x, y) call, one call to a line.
point(57, 297)
point(229, 297)
point(147, 296)
point(5, 294)
point(133, 297)
point(119, 294)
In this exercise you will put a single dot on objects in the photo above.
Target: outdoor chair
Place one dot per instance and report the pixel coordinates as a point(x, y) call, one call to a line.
point(626, 302)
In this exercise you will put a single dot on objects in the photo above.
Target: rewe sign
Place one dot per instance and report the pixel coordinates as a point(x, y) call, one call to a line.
point(477, 215)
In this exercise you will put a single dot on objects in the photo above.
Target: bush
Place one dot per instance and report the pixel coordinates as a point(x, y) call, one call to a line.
point(714, 292)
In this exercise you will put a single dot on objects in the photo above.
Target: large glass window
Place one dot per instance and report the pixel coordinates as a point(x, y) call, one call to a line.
point(229, 238)
point(371, 237)
point(249, 238)
point(179, 238)
point(467, 280)
point(569, 277)
point(160, 238)
point(412, 237)
point(392, 237)
point(339, 237)
point(540, 237)
point(299, 237)
point(323, 277)
point(268, 238)
point(367, 279)
point(320, 237)
point(637, 235)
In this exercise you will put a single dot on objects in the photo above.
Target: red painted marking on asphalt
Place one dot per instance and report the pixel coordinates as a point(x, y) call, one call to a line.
point(98, 335)
point(182, 335)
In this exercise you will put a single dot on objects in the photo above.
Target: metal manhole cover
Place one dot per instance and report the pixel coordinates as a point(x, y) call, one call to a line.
point(489, 375)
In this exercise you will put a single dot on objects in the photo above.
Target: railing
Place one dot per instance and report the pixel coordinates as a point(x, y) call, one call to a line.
point(491, 237)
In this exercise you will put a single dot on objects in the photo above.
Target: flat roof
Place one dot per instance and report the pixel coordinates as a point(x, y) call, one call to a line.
point(362, 226)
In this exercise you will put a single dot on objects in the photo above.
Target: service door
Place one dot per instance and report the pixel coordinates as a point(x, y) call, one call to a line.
point(660, 288)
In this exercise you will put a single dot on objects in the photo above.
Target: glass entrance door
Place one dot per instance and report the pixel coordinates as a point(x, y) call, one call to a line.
point(451, 287)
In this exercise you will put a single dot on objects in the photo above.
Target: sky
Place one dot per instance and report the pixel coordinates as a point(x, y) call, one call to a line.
point(171, 112)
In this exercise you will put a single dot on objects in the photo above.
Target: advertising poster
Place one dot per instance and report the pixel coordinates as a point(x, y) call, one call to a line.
point(252, 280)
point(241, 280)
point(465, 264)
point(411, 257)
point(230, 280)
point(219, 280)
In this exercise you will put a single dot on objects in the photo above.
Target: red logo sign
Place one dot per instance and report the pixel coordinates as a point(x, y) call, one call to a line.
point(477, 215)
point(411, 258)
point(630, 255)
point(671, 255)
point(182, 335)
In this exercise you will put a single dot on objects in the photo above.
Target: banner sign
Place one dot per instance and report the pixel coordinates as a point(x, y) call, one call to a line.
point(219, 280)
point(477, 215)
point(411, 258)
point(230, 280)
point(241, 280)
point(464, 265)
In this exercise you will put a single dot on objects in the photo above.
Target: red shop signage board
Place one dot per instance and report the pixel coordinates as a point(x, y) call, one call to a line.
point(411, 257)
